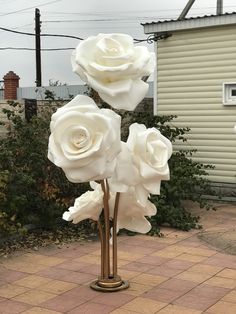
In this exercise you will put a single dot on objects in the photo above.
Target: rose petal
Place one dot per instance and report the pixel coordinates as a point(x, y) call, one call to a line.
point(141, 194)
point(96, 170)
point(125, 174)
point(135, 224)
point(110, 88)
point(127, 100)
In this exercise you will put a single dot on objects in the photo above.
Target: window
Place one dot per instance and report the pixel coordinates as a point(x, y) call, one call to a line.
point(229, 94)
point(233, 92)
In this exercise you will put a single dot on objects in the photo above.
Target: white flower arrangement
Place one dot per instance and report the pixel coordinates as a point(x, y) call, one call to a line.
point(85, 142)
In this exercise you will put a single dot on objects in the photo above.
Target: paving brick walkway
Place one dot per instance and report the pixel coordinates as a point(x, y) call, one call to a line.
point(176, 274)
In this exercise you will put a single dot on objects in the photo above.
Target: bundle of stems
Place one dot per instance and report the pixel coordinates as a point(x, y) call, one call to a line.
point(108, 272)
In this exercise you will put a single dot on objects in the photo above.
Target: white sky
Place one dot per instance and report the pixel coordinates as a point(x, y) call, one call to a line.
point(79, 18)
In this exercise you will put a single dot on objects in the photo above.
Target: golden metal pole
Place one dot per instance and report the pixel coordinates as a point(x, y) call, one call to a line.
point(108, 282)
point(107, 231)
point(114, 234)
point(102, 247)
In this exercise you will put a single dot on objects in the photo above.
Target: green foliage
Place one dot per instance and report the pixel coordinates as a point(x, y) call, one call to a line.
point(9, 225)
point(35, 191)
point(32, 189)
point(188, 178)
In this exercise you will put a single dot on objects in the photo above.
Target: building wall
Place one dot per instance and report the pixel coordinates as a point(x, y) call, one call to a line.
point(192, 66)
point(146, 105)
point(60, 92)
point(1, 93)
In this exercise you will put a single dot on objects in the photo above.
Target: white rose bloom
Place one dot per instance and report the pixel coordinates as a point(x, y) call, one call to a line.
point(88, 205)
point(84, 140)
point(114, 67)
point(142, 163)
point(131, 214)
point(235, 128)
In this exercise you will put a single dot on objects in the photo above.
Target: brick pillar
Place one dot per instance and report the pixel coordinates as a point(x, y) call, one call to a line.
point(11, 82)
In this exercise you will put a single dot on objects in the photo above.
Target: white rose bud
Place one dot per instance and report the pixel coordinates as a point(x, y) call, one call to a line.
point(114, 67)
point(84, 140)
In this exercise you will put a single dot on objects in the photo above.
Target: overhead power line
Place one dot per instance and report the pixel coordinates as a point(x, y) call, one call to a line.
point(130, 19)
point(43, 35)
point(59, 35)
point(33, 49)
point(25, 9)
point(128, 11)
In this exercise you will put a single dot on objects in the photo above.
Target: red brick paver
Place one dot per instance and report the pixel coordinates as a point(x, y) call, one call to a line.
point(174, 274)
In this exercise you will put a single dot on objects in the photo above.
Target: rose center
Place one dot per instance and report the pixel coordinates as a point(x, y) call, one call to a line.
point(156, 153)
point(80, 138)
point(113, 50)
point(109, 47)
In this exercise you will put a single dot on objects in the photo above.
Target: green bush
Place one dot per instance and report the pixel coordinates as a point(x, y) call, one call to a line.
point(8, 225)
point(36, 191)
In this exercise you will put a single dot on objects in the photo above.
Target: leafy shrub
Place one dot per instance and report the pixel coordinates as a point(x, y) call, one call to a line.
point(36, 191)
point(7, 224)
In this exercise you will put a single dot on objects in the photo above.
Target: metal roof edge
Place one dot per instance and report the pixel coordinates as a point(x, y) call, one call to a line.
point(190, 23)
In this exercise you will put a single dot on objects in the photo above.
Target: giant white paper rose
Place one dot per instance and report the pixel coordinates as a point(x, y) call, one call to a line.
point(112, 66)
point(84, 140)
point(142, 163)
point(88, 205)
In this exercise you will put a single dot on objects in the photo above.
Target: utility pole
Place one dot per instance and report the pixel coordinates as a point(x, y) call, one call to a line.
point(38, 48)
point(219, 8)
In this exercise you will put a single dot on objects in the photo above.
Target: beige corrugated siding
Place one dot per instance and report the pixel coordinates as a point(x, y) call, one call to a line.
point(192, 67)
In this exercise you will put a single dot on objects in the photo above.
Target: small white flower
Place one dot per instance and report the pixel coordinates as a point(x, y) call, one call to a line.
point(114, 67)
point(142, 162)
point(84, 140)
point(88, 205)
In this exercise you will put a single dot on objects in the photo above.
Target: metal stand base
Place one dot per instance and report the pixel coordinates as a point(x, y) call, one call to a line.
point(109, 285)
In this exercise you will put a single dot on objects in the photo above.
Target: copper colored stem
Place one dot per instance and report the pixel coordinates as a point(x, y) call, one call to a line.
point(102, 247)
point(107, 231)
point(108, 282)
point(114, 234)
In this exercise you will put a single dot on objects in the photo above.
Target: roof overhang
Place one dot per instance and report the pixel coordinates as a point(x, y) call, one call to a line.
point(189, 23)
